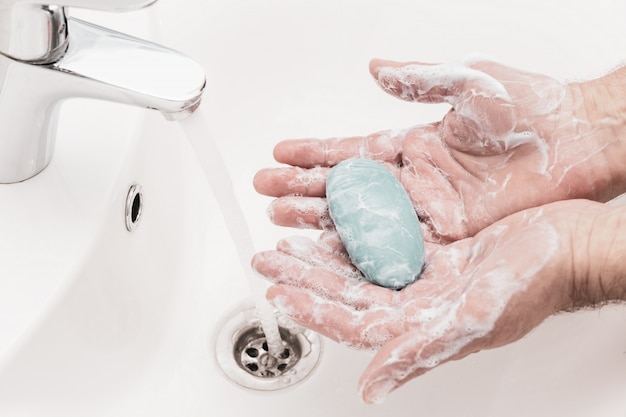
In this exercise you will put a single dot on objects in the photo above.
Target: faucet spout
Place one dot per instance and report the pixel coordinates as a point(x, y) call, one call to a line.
point(96, 63)
point(116, 67)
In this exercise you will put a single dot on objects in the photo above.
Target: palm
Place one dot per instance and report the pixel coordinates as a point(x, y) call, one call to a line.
point(512, 140)
point(474, 294)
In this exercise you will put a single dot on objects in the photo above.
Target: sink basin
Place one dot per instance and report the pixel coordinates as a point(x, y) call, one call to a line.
point(96, 320)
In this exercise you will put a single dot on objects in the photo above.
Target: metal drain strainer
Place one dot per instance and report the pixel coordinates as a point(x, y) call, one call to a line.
point(243, 354)
point(252, 353)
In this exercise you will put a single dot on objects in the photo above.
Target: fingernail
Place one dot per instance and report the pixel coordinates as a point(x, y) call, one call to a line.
point(280, 302)
point(377, 391)
point(295, 245)
point(256, 258)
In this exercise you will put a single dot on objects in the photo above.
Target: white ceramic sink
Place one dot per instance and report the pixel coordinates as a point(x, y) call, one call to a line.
point(98, 321)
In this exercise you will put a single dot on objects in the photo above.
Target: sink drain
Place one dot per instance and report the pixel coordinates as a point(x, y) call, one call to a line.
point(252, 353)
point(243, 354)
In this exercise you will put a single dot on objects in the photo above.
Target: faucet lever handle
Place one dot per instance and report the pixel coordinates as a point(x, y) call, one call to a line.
point(36, 32)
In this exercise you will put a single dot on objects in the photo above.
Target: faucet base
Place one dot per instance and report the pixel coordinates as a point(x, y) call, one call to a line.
point(98, 63)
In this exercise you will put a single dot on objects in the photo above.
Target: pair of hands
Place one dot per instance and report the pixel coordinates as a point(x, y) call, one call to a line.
point(499, 257)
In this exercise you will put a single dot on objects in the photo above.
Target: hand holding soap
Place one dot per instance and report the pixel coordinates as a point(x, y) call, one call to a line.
point(376, 221)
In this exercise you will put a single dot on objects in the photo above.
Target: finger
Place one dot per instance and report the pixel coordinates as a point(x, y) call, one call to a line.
point(297, 181)
point(331, 240)
point(309, 311)
point(438, 205)
point(278, 182)
point(281, 268)
point(320, 256)
point(434, 83)
point(383, 146)
point(357, 329)
point(409, 356)
point(308, 211)
point(284, 269)
point(435, 182)
point(300, 212)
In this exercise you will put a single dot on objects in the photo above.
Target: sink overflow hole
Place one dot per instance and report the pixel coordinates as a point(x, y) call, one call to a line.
point(134, 207)
point(136, 210)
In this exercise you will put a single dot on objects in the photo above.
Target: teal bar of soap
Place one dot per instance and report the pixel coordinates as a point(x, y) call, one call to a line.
point(376, 221)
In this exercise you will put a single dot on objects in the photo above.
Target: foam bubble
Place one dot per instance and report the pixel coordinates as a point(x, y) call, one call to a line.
point(417, 81)
point(305, 178)
point(283, 305)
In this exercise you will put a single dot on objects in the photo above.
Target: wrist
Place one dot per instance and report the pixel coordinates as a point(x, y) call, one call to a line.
point(602, 109)
point(598, 247)
point(605, 96)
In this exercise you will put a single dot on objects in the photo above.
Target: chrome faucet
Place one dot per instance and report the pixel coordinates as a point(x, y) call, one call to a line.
point(47, 57)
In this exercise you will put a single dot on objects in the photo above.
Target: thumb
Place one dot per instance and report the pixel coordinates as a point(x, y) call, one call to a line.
point(393, 365)
point(434, 83)
point(409, 356)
